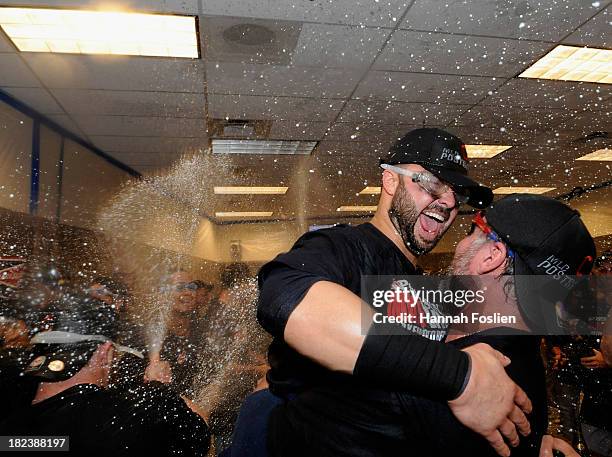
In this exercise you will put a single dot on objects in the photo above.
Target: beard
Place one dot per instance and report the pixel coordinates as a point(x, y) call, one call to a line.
point(404, 216)
point(460, 265)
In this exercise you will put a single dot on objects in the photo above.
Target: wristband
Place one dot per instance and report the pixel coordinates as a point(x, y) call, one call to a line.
point(413, 364)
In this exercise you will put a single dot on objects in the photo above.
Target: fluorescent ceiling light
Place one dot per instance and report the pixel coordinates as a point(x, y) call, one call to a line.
point(370, 190)
point(237, 214)
point(522, 190)
point(599, 155)
point(246, 190)
point(100, 32)
point(262, 147)
point(573, 63)
point(484, 151)
point(356, 208)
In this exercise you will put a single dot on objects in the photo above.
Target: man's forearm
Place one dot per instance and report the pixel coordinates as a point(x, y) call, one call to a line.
point(326, 326)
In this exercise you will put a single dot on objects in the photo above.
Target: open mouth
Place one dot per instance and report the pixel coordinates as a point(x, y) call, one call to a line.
point(432, 221)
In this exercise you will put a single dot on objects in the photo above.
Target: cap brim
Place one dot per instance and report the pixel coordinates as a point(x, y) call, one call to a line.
point(479, 196)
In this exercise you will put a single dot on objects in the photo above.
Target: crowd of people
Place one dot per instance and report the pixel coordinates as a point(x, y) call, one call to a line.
point(84, 365)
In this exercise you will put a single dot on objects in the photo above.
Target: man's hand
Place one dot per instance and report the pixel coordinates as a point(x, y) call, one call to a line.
point(158, 370)
point(550, 444)
point(492, 405)
point(595, 361)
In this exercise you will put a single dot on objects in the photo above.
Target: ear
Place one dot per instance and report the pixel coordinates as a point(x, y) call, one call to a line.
point(493, 259)
point(390, 181)
point(103, 357)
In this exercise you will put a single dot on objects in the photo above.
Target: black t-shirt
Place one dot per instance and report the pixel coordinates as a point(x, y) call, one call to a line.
point(430, 427)
point(146, 420)
point(342, 254)
point(330, 413)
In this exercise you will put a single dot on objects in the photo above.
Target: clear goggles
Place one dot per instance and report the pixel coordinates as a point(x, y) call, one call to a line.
point(429, 183)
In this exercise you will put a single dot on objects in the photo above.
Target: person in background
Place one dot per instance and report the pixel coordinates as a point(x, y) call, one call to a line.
point(72, 363)
point(179, 346)
point(596, 407)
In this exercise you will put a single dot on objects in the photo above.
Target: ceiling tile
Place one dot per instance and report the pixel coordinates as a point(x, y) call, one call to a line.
point(329, 152)
point(117, 72)
point(513, 118)
point(423, 87)
point(66, 122)
point(142, 126)
point(38, 99)
point(589, 121)
point(550, 94)
point(338, 46)
point(355, 12)
point(529, 19)
point(377, 111)
point(457, 55)
point(261, 107)
point(298, 130)
point(254, 79)
point(5, 43)
point(146, 145)
point(368, 132)
point(597, 32)
point(106, 102)
point(263, 41)
point(152, 159)
point(16, 73)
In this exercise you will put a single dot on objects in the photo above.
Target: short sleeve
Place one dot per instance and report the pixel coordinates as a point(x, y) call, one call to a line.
point(283, 282)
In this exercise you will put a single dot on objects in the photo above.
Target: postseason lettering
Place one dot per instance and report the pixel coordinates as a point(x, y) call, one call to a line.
point(556, 268)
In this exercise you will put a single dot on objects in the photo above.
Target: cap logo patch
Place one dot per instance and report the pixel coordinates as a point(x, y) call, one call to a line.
point(56, 365)
point(453, 156)
point(557, 268)
point(36, 363)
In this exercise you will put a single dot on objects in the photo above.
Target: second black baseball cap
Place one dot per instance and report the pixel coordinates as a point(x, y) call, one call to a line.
point(442, 154)
point(552, 249)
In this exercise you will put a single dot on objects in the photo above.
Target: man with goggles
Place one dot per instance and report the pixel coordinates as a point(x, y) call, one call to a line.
point(310, 302)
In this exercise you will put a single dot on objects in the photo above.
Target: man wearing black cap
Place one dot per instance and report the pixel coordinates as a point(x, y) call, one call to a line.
point(72, 363)
point(309, 301)
point(508, 255)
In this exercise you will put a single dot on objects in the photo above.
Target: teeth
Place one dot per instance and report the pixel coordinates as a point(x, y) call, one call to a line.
point(435, 216)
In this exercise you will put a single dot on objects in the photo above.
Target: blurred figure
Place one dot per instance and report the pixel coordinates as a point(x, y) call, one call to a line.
point(596, 408)
point(179, 347)
point(234, 348)
point(72, 363)
point(15, 353)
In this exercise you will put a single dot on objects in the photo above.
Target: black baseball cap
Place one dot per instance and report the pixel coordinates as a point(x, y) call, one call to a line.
point(442, 154)
point(550, 240)
point(79, 327)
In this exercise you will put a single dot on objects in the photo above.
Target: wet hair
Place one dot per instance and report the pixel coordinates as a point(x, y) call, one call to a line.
point(112, 284)
point(203, 285)
point(233, 273)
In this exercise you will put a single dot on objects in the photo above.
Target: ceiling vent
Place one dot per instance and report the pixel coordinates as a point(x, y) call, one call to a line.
point(239, 128)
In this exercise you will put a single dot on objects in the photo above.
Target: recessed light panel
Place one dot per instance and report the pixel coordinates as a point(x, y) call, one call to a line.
point(484, 151)
point(357, 208)
point(601, 155)
point(522, 190)
point(370, 190)
point(246, 190)
point(262, 147)
point(573, 63)
point(241, 214)
point(100, 32)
